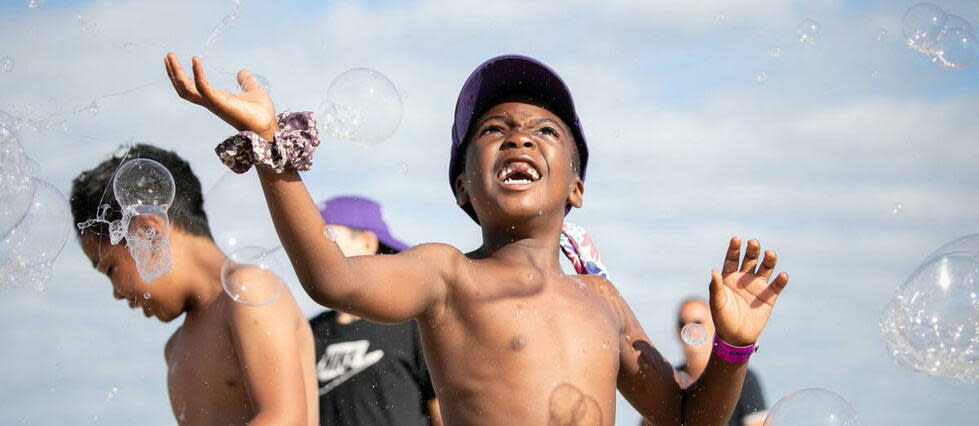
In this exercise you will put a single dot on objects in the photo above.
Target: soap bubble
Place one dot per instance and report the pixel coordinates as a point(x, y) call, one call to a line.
point(361, 106)
point(28, 250)
point(897, 208)
point(922, 23)
point(251, 276)
point(776, 52)
point(761, 77)
point(239, 201)
point(932, 323)
point(809, 31)
point(880, 34)
point(955, 45)
point(34, 4)
point(693, 334)
point(812, 407)
point(144, 189)
point(7, 64)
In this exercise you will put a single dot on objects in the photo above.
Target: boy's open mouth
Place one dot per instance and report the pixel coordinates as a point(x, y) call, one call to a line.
point(517, 172)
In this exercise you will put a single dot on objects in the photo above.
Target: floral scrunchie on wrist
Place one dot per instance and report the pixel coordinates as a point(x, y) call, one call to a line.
point(291, 147)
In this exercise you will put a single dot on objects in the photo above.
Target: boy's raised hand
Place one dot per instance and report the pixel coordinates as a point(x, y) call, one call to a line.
point(741, 298)
point(249, 110)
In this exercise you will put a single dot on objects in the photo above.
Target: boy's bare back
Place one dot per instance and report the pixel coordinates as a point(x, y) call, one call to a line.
point(206, 382)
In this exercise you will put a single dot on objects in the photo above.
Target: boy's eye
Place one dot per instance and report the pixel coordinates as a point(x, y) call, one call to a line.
point(549, 131)
point(491, 129)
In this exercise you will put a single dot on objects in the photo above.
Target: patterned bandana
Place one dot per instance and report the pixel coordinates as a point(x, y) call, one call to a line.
point(578, 246)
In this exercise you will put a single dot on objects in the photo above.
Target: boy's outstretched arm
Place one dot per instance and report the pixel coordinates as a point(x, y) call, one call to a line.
point(389, 288)
point(741, 301)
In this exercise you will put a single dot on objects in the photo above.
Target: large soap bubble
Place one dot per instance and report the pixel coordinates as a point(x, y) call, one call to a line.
point(812, 407)
point(361, 106)
point(932, 324)
point(144, 189)
point(28, 250)
point(252, 276)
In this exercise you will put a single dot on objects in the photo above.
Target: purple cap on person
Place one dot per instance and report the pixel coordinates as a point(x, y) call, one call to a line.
point(359, 213)
point(504, 76)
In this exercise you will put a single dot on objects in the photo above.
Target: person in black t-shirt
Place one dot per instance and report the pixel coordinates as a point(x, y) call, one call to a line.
point(750, 410)
point(369, 373)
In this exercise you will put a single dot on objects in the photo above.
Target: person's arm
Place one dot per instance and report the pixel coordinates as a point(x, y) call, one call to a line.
point(741, 300)
point(266, 342)
point(390, 288)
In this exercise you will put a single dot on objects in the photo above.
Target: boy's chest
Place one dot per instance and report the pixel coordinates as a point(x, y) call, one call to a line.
point(203, 375)
point(565, 317)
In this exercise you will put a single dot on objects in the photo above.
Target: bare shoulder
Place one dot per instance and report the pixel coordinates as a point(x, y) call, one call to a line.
point(442, 256)
point(262, 296)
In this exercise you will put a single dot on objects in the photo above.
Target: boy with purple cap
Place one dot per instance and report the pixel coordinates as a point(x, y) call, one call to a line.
point(510, 338)
point(369, 373)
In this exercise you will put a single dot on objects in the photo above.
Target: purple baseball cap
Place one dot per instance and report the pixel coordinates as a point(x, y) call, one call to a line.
point(359, 213)
point(503, 76)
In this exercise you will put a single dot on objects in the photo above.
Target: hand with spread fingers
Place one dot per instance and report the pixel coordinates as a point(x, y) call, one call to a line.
point(741, 297)
point(249, 110)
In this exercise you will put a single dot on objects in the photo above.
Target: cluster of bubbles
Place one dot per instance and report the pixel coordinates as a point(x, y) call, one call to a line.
point(144, 190)
point(948, 40)
point(362, 106)
point(812, 407)
point(932, 323)
point(252, 276)
point(694, 334)
point(34, 218)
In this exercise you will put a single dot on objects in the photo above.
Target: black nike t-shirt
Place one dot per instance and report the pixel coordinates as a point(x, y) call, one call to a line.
point(369, 373)
point(751, 401)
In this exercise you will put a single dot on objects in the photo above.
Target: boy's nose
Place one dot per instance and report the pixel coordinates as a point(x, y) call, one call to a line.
point(518, 140)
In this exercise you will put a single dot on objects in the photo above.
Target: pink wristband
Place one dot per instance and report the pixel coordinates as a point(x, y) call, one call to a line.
point(735, 354)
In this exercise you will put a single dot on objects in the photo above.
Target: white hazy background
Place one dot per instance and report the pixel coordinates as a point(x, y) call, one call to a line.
point(687, 149)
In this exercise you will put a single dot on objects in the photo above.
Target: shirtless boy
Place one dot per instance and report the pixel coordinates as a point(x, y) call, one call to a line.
point(229, 363)
point(509, 338)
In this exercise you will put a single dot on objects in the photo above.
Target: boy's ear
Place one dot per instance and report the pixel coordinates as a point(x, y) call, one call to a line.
point(462, 197)
point(576, 198)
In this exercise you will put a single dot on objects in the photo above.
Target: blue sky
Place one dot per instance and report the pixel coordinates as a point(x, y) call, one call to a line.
point(687, 150)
